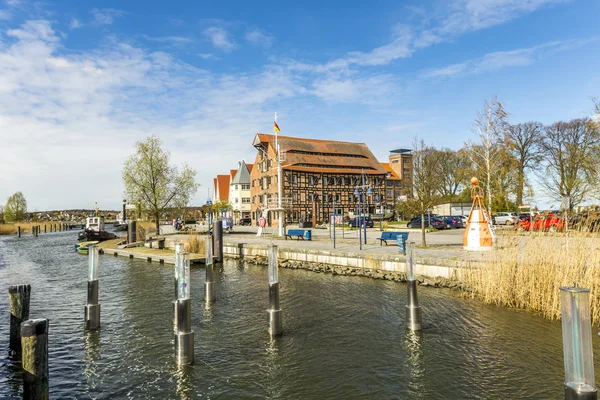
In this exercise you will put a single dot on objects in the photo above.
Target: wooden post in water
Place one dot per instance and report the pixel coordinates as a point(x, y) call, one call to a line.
point(34, 341)
point(218, 240)
point(18, 298)
point(18, 231)
point(44, 228)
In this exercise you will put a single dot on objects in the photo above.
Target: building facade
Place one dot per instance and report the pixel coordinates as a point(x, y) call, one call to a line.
point(239, 192)
point(322, 177)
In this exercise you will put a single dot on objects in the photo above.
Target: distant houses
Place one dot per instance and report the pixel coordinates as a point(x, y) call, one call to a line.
point(316, 175)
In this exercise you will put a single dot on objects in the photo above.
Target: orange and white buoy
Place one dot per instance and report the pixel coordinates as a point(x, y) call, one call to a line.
point(479, 233)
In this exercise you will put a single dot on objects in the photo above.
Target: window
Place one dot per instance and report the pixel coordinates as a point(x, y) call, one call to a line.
point(246, 187)
point(406, 171)
point(310, 197)
point(295, 196)
point(325, 182)
point(394, 161)
point(236, 200)
point(338, 197)
point(294, 178)
point(245, 200)
point(389, 193)
point(236, 187)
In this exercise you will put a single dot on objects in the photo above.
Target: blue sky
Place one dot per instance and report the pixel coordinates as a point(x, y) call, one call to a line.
point(81, 81)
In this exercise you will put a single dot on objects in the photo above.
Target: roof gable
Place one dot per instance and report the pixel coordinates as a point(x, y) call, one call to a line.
point(242, 175)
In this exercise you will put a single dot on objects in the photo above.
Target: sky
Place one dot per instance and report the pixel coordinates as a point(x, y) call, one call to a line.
point(81, 81)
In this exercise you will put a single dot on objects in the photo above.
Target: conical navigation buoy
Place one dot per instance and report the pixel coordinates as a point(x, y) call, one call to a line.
point(479, 233)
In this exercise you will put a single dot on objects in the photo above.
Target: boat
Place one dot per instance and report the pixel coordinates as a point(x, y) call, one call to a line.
point(120, 224)
point(94, 230)
point(84, 247)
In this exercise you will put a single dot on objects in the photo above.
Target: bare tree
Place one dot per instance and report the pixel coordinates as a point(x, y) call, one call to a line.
point(454, 168)
point(490, 126)
point(570, 151)
point(426, 181)
point(523, 141)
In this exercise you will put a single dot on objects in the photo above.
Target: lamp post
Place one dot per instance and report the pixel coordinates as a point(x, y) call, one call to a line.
point(209, 219)
point(360, 191)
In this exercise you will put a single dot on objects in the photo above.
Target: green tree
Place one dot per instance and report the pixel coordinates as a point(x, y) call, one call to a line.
point(221, 206)
point(15, 208)
point(153, 182)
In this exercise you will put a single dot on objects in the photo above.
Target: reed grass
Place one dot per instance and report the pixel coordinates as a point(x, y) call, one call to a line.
point(528, 270)
point(195, 245)
point(11, 229)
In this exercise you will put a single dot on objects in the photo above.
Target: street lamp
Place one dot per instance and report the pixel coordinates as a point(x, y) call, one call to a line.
point(360, 191)
point(209, 219)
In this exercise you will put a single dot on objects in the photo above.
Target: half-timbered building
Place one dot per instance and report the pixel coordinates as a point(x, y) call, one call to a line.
point(323, 177)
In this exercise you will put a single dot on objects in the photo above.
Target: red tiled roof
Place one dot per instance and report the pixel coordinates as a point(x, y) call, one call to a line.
point(223, 182)
point(388, 169)
point(249, 167)
point(316, 155)
point(232, 173)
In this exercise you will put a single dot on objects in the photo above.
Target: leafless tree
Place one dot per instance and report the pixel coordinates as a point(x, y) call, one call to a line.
point(570, 152)
point(426, 181)
point(454, 168)
point(490, 126)
point(523, 141)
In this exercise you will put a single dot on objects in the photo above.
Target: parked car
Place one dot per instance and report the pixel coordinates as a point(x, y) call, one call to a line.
point(585, 222)
point(435, 222)
point(453, 221)
point(355, 222)
point(506, 218)
point(245, 221)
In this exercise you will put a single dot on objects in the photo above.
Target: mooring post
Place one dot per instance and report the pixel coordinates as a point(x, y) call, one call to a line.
point(209, 284)
point(18, 298)
point(178, 261)
point(18, 231)
point(184, 336)
point(45, 228)
point(274, 311)
point(577, 344)
point(131, 232)
point(92, 308)
point(218, 233)
point(414, 316)
point(34, 359)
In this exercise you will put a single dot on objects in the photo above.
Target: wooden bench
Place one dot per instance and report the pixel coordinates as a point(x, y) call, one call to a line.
point(297, 233)
point(385, 236)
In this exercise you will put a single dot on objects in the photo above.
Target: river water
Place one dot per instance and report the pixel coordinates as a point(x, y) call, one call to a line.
point(344, 337)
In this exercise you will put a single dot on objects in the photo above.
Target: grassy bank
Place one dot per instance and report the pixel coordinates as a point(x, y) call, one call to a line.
point(11, 229)
point(528, 271)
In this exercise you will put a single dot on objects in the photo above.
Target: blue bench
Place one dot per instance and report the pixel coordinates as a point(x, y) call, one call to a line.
point(385, 236)
point(297, 233)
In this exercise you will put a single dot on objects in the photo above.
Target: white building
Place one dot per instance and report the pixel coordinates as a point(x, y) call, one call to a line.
point(239, 191)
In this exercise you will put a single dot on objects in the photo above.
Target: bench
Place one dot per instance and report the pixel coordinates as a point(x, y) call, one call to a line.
point(297, 233)
point(385, 236)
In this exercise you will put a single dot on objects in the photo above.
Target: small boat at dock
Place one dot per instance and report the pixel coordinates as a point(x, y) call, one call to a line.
point(84, 247)
point(94, 230)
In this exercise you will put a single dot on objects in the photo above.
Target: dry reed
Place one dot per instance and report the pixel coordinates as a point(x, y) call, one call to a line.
point(195, 245)
point(11, 229)
point(529, 269)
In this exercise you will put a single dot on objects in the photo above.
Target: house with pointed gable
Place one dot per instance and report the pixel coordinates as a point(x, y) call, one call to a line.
point(239, 191)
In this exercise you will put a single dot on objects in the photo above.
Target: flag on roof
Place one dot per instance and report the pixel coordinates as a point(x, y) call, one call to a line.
point(276, 127)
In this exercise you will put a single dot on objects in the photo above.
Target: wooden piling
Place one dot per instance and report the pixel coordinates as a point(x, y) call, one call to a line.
point(18, 231)
point(44, 228)
point(34, 341)
point(18, 298)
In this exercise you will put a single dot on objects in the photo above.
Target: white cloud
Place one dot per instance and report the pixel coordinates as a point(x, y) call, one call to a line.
point(207, 56)
point(257, 38)
point(60, 110)
point(220, 38)
point(105, 16)
point(173, 40)
point(75, 24)
point(505, 59)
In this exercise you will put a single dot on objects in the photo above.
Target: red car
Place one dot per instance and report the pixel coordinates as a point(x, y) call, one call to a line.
point(544, 223)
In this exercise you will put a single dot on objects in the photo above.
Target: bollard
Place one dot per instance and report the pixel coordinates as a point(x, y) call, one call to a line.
point(178, 260)
point(274, 311)
point(241, 250)
point(218, 240)
point(414, 316)
point(18, 298)
point(131, 232)
point(45, 228)
point(184, 336)
point(209, 284)
point(18, 231)
point(577, 344)
point(92, 308)
point(34, 341)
